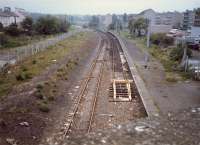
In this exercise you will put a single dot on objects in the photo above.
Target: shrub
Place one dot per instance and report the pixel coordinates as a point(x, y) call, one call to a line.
point(43, 107)
point(27, 25)
point(176, 53)
point(22, 76)
point(161, 39)
point(39, 86)
point(39, 95)
point(12, 30)
point(51, 98)
point(34, 61)
point(3, 39)
point(47, 25)
point(1, 27)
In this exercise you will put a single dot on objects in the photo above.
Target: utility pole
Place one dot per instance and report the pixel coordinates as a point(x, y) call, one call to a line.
point(148, 33)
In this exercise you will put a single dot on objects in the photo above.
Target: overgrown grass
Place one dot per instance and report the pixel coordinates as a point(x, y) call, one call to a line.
point(170, 66)
point(23, 40)
point(34, 65)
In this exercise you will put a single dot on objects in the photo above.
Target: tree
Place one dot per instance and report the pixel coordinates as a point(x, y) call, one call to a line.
point(137, 26)
point(111, 26)
point(1, 27)
point(64, 26)
point(27, 24)
point(12, 30)
point(131, 26)
point(3, 39)
point(47, 25)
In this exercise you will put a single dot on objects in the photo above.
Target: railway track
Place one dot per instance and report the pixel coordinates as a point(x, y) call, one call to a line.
point(81, 118)
point(70, 124)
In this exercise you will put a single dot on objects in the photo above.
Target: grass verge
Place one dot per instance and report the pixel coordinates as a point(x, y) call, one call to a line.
point(34, 65)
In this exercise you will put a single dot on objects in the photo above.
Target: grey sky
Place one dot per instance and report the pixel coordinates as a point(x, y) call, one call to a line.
point(100, 6)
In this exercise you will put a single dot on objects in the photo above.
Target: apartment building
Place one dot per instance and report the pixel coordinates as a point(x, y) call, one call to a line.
point(188, 20)
point(161, 22)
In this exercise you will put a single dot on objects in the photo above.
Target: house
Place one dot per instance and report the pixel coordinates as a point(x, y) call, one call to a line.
point(7, 17)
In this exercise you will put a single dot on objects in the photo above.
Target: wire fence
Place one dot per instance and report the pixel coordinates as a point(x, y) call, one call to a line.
point(11, 56)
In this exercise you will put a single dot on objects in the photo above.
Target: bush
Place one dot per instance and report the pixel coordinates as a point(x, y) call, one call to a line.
point(39, 95)
point(47, 25)
point(22, 76)
point(27, 25)
point(3, 39)
point(1, 27)
point(12, 30)
point(39, 86)
point(43, 107)
point(176, 53)
point(161, 39)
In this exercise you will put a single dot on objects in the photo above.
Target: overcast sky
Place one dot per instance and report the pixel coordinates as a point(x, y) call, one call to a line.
point(100, 6)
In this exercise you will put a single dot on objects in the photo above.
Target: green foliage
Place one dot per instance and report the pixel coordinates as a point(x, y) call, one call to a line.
point(1, 27)
point(22, 76)
point(43, 107)
point(111, 27)
point(27, 25)
point(136, 26)
point(64, 26)
point(47, 25)
point(161, 39)
point(176, 53)
point(12, 30)
point(3, 39)
point(50, 25)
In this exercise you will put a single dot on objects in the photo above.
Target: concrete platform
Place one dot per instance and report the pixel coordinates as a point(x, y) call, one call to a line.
point(149, 105)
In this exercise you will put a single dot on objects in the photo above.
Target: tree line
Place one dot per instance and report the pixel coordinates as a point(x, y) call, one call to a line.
point(45, 25)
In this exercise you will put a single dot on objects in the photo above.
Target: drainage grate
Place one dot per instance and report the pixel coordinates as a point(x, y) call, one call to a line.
point(121, 90)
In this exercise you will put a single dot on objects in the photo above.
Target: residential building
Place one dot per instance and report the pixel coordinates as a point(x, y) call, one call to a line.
point(188, 20)
point(195, 29)
point(197, 18)
point(161, 22)
point(7, 17)
point(21, 13)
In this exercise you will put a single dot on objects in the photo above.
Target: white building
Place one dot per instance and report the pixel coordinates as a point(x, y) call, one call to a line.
point(7, 17)
point(21, 13)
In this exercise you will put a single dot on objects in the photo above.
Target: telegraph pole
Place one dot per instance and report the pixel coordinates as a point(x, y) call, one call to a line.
point(148, 33)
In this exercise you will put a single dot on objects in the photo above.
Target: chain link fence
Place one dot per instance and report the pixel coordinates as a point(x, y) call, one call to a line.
point(11, 56)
